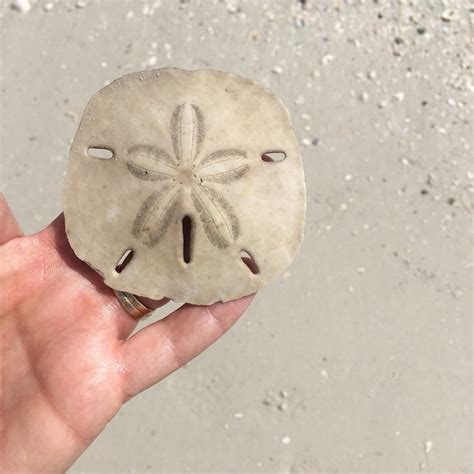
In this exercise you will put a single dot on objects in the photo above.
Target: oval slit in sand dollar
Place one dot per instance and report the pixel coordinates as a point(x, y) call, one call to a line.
point(124, 260)
point(273, 156)
point(101, 153)
point(187, 236)
point(249, 262)
point(186, 188)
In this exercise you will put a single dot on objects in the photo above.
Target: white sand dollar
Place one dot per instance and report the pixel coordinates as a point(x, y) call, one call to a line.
point(171, 191)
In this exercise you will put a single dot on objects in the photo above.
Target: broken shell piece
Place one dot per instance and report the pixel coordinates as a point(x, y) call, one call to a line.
point(185, 184)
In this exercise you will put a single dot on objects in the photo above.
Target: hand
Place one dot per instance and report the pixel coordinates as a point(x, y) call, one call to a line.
point(68, 363)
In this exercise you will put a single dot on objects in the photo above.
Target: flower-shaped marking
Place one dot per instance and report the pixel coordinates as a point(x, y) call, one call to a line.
point(187, 168)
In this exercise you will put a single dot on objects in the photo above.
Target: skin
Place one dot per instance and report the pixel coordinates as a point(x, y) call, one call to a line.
point(68, 362)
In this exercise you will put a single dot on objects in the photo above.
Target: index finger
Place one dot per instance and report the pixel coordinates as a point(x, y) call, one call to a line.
point(162, 347)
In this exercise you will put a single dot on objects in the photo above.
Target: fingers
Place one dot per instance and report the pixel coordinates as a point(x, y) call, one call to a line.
point(162, 347)
point(107, 305)
point(53, 239)
point(9, 228)
point(153, 304)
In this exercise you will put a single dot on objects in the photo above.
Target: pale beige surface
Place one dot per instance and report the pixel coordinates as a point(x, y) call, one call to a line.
point(185, 143)
point(360, 358)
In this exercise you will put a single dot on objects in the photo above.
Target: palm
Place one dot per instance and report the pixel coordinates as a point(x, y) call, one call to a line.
point(68, 361)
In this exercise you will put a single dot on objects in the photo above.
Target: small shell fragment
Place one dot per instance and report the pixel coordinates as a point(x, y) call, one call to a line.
point(172, 189)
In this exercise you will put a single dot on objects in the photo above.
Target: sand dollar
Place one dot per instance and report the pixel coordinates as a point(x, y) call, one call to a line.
point(185, 184)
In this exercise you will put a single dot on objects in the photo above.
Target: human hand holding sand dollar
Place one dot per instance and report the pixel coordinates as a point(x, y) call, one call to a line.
point(68, 363)
point(189, 205)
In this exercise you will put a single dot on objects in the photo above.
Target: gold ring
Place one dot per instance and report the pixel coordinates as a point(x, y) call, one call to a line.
point(132, 305)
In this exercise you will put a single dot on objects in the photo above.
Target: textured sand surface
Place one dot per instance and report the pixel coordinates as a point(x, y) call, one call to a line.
point(359, 359)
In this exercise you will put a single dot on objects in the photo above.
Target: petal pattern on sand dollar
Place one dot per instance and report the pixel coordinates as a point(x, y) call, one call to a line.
point(221, 167)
